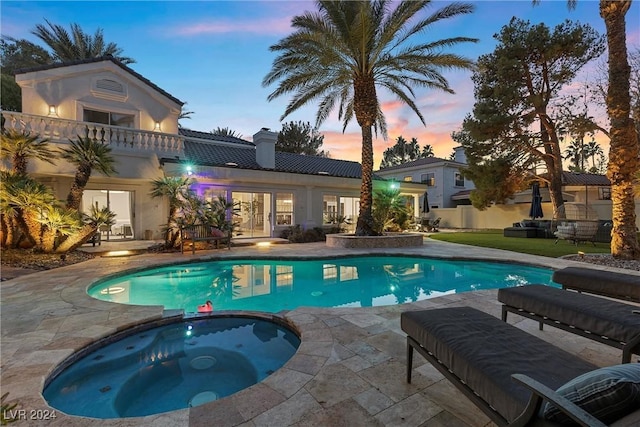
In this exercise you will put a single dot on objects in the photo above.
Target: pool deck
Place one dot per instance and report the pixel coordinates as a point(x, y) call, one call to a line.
point(348, 371)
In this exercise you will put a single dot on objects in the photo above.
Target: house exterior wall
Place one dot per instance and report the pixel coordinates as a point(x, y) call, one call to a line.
point(444, 174)
point(72, 88)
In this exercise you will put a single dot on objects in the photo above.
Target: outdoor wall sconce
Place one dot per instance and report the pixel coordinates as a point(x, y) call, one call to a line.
point(157, 127)
point(53, 111)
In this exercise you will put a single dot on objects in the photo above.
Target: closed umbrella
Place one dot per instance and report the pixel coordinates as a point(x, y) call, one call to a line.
point(425, 203)
point(536, 202)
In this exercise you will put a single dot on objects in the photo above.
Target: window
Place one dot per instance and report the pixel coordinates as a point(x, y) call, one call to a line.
point(604, 193)
point(284, 208)
point(408, 178)
point(329, 209)
point(114, 119)
point(459, 179)
point(428, 178)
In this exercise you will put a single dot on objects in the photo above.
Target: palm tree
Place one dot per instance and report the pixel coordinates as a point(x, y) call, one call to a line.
point(77, 45)
point(346, 51)
point(575, 153)
point(427, 151)
point(225, 131)
point(87, 154)
point(177, 190)
point(21, 146)
point(592, 150)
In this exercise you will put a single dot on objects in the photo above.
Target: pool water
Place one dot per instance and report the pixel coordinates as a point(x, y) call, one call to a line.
point(172, 367)
point(275, 285)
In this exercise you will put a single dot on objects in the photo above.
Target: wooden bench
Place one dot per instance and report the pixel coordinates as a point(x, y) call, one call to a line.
point(201, 233)
point(605, 320)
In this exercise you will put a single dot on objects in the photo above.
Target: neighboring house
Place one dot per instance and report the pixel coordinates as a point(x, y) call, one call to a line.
point(444, 180)
point(105, 99)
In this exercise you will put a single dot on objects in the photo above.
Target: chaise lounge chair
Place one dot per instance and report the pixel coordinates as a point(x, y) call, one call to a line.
point(611, 322)
point(504, 371)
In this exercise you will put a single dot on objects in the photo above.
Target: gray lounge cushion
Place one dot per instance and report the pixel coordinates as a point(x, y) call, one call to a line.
point(608, 393)
point(617, 285)
point(484, 352)
point(598, 315)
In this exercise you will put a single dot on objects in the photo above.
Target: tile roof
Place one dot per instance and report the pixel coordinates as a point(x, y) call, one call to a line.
point(188, 133)
point(205, 154)
point(419, 162)
point(101, 59)
point(574, 178)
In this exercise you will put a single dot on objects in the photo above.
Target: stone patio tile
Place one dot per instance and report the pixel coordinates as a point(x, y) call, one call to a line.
point(448, 397)
point(323, 334)
point(219, 413)
point(316, 348)
point(287, 381)
point(373, 401)
point(305, 363)
point(368, 352)
point(390, 378)
point(344, 414)
point(289, 412)
point(255, 400)
point(445, 419)
point(412, 411)
point(335, 383)
point(390, 343)
point(356, 363)
point(364, 320)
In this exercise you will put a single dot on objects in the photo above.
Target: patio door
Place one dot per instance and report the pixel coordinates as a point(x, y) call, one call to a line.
point(120, 203)
point(253, 213)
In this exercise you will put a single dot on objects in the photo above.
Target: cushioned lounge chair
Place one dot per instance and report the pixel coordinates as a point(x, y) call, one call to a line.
point(608, 321)
point(504, 371)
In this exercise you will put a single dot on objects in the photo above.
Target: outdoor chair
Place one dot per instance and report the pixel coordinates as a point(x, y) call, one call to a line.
point(509, 374)
point(433, 226)
point(579, 231)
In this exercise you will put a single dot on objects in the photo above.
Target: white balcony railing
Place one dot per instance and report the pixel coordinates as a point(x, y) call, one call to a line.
point(118, 138)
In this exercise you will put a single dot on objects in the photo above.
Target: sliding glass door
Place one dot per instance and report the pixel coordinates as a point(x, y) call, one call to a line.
point(120, 203)
point(253, 213)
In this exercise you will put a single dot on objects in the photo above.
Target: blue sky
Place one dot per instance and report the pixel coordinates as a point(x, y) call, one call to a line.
point(214, 54)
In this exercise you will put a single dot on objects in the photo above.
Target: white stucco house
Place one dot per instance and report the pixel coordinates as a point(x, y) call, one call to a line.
point(446, 186)
point(105, 99)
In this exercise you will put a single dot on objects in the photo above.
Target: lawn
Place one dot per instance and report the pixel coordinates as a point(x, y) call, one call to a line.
point(533, 246)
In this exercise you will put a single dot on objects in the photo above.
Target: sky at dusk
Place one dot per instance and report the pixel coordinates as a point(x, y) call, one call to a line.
point(213, 55)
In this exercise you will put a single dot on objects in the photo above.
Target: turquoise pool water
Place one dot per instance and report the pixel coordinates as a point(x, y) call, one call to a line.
point(274, 285)
point(172, 367)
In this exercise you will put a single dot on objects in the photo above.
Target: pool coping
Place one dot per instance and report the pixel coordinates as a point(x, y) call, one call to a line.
point(47, 316)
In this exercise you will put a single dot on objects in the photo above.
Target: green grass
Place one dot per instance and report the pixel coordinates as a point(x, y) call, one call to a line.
point(533, 246)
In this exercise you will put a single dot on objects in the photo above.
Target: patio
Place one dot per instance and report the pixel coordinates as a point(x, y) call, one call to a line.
point(349, 369)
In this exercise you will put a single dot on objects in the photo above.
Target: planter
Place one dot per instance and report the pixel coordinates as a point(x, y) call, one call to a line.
point(390, 240)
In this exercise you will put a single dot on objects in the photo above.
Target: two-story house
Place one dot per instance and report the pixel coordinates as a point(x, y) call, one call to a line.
point(446, 187)
point(104, 99)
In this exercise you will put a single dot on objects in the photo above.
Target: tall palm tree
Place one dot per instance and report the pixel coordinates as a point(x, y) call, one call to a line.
point(87, 154)
point(21, 146)
point(78, 44)
point(347, 50)
point(225, 131)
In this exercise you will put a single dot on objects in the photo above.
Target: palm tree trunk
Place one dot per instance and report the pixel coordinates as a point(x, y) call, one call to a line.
point(77, 188)
point(75, 240)
point(624, 151)
point(365, 226)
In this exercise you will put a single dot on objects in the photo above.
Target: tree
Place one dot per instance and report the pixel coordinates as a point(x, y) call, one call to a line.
point(20, 147)
point(16, 54)
point(225, 131)
point(177, 190)
point(300, 138)
point(347, 50)
point(184, 114)
point(403, 152)
point(514, 90)
point(67, 47)
point(87, 154)
point(624, 151)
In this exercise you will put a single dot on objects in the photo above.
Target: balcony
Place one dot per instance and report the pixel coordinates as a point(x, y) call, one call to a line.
point(118, 138)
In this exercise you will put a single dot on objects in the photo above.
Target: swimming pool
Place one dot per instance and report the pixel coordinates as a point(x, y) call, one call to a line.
point(274, 285)
point(172, 366)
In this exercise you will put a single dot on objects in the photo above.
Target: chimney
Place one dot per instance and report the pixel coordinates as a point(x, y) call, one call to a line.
point(265, 142)
point(459, 155)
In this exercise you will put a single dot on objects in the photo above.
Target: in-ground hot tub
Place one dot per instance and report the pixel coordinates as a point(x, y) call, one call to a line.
point(160, 368)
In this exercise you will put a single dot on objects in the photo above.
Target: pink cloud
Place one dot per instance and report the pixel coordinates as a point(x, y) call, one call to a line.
point(268, 26)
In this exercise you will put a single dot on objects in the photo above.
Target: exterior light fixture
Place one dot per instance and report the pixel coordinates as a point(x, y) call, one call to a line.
point(53, 111)
point(263, 244)
point(189, 170)
point(157, 127)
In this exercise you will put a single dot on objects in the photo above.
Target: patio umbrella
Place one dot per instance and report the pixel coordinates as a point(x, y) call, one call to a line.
point(536, 202)
point(425, 203)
